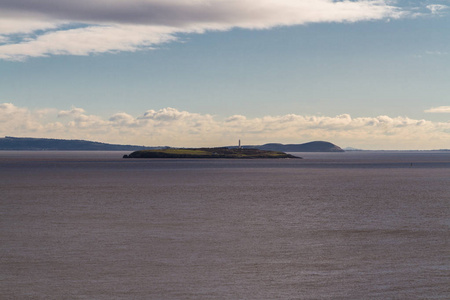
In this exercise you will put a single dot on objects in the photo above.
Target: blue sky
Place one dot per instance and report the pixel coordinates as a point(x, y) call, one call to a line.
point(367, 74)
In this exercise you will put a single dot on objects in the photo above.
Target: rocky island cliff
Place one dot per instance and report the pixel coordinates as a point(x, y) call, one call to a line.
point(208, 153)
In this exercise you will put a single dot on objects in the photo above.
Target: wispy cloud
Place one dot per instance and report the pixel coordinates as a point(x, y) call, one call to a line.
point(173, 127)
point(439, 109)
point(436, 53)
point(112, 25)
point(437, 8)
point(87, 40)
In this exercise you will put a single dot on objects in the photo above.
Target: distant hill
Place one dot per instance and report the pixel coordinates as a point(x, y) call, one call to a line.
point(317, 146)
point(306, 147)
point(15, 143)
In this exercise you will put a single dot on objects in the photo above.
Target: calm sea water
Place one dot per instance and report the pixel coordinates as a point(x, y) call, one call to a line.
point(356, 225)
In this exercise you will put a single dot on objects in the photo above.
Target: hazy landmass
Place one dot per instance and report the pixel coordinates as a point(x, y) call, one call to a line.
point(317, 146)
point(16, 143)
point(352, 149)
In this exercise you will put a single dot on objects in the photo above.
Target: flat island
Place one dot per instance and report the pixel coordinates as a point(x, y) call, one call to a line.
point(208, 153)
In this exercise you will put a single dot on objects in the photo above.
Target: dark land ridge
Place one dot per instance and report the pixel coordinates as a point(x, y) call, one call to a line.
point(223, 152)
point(317, 146)
point(15, 143)
point(36, 144)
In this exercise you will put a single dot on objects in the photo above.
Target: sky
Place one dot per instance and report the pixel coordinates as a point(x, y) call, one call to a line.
point(194, 73)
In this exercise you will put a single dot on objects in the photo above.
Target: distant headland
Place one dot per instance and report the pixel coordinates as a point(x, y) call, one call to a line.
point(317, 146)
point(40, 144)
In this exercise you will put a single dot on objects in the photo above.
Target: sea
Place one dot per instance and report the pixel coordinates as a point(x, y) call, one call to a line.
point(353, 225)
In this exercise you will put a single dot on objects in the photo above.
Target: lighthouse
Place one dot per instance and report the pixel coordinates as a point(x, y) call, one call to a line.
point(239, 145)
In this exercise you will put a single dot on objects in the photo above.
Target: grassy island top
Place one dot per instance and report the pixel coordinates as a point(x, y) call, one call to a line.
point(208, 153)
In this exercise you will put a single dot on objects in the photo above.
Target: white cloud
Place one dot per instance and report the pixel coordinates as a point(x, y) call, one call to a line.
point(20, 120)
point(111, 25)
point(172, 127)
point(439, 109)
point(166, 115)
point(21, 25)
point(85, 41)
point(437, 8)
point(73, 111)
point(121, 119)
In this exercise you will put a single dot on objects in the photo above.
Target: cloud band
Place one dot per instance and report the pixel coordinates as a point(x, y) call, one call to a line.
point(439, 109)
point(172, 127)
point(41, 28)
